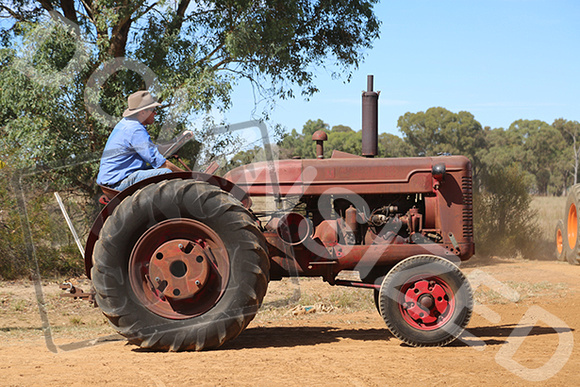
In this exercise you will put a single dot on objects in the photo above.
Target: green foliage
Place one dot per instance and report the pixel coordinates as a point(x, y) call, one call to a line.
point(340, 137)
point(504, 222)
point(568, 162)
point(344, 140)
point(537, 147)
point(43, 118)
point(439, 131)
point(253, 155)
point(391, 145)
point(68, 66)
point(300, 144)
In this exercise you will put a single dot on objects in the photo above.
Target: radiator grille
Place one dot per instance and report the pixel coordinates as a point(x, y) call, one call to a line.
point(467, 189)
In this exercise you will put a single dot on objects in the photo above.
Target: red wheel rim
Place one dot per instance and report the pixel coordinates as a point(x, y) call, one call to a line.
point(426, 303)
point(179, 268)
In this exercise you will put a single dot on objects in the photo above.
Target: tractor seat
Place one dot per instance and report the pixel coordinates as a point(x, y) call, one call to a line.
point(108, 194)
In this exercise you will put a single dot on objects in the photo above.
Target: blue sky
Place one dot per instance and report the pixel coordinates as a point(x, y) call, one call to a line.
point(501, 60)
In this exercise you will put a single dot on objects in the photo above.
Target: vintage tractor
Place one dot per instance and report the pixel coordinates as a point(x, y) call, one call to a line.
point(183, 261)
point(567, 243)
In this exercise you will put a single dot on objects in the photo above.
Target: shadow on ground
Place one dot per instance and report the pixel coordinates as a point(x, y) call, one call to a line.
point(281, 337)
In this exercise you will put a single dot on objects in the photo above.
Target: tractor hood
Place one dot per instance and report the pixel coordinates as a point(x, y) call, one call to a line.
point(345, 172)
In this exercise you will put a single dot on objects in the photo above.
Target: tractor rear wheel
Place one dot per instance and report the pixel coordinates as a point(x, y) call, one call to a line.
point(180, 265)
point(426, 301)
point(559, 236)
point(571, 245)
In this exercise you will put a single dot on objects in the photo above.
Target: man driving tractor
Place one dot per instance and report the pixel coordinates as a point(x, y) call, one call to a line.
point(130, 155)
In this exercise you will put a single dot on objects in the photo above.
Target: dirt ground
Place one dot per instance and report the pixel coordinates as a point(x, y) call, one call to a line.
point(525, 330)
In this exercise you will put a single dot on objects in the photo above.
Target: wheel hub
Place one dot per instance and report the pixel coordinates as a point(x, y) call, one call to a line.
point(179, 269)
point(425, 301)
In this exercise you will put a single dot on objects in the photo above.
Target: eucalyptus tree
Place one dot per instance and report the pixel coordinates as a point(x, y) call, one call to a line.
point(68, 65)
point(439, 130)
point(570, 161)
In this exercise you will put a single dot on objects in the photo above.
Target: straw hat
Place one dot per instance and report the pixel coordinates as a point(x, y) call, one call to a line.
point(139, 101)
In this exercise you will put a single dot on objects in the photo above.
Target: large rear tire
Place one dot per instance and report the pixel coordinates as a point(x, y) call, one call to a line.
point(180, 265)
point(426, 301)
point(559, 238)
point(571, 245)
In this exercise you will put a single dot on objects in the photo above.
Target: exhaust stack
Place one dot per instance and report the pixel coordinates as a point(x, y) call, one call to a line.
point(370, 120)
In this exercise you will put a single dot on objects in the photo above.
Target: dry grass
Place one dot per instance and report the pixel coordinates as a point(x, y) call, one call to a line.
point(549, 210)
point(285, 295)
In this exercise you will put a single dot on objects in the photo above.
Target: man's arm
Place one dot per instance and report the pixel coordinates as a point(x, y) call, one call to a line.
point(169, 165)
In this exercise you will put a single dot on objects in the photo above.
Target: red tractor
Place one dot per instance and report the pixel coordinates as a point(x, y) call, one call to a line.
point(183, 261)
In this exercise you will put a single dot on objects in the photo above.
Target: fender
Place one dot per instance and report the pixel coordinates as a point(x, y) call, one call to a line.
point(217, 181)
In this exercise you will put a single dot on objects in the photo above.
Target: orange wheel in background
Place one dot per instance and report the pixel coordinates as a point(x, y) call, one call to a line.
point(560, 254)
point(570, 237)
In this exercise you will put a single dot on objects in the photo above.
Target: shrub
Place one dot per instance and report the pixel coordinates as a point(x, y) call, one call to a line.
point(505, 224)
point(13, 258)
point(54, 249)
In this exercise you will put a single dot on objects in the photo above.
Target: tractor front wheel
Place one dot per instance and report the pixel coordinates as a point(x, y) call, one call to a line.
point(426, 301)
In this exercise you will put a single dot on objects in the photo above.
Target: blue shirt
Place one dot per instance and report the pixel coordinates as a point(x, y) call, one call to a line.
point(128, 149)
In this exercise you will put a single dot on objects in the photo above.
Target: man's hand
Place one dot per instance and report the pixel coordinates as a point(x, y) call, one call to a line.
point(169, 165)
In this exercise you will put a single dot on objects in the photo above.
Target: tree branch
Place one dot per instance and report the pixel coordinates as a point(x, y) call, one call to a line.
point(88, 4)
point(149, 8)
point(13, 13)
point(183, 4)
point(179, 16)
point(215, 50)
point(120, 33)
point(220, 63)
point(68, 7)
point(46, 4)
point(119, 37)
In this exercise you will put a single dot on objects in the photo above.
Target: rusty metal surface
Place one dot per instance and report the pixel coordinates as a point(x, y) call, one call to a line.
point(179, 268)
point(447, 216)
point(444, 227)
point(360, 257)
point(370, 120)
point(319, 137)
point(71, 291)
point(182, 265)
point(359, 175)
